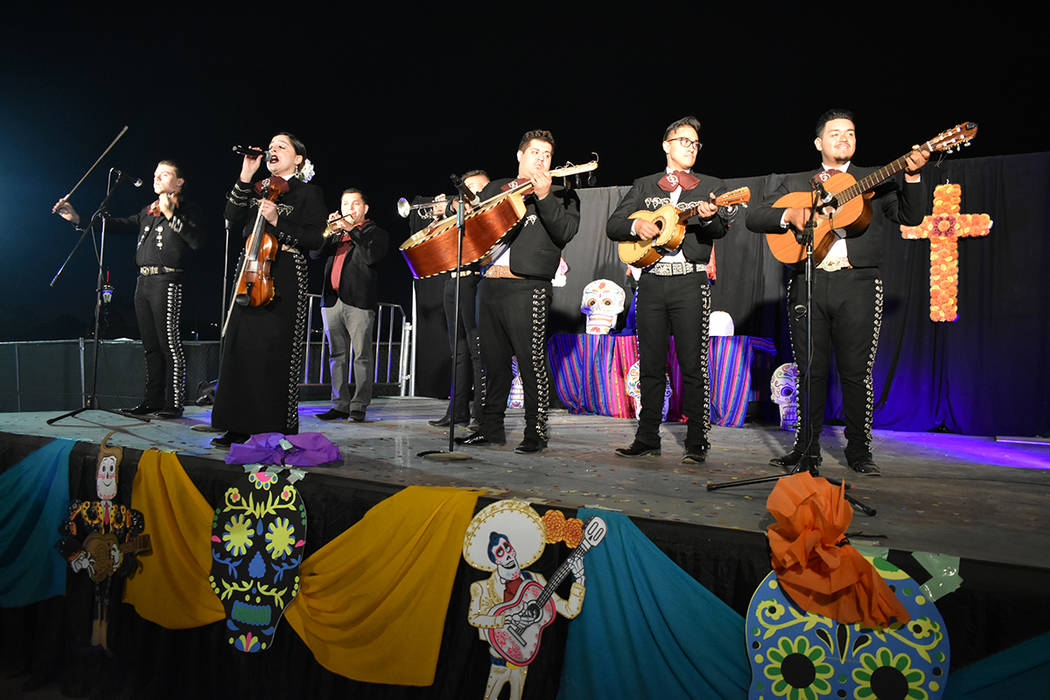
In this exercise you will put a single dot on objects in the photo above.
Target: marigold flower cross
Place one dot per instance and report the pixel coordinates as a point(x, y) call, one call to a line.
point(944, 227)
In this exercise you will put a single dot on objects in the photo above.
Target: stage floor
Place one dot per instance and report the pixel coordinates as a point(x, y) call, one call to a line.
point(968, 496)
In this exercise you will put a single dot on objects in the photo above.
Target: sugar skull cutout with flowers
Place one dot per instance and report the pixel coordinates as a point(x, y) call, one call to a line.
point(257, 544)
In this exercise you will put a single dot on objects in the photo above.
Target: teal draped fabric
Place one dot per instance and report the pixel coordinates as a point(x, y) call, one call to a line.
point(36, 498)
point(1018, 672)
point(648, 629)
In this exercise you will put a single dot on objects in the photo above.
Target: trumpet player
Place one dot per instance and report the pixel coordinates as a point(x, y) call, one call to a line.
point(353, 246)
point(469, 379)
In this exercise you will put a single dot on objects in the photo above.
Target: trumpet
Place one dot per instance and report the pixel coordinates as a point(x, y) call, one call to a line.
point(328, 231)
point(404, 208)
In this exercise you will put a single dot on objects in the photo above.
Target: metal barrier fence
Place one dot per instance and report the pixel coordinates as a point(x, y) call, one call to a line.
point(392, 334)
point(52, 374)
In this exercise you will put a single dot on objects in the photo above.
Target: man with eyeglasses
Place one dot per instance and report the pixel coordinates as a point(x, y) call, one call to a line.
point(674, 297)
point(515, 292)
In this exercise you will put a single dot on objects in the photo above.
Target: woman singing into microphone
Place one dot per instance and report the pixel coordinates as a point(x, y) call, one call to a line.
point(262, 358)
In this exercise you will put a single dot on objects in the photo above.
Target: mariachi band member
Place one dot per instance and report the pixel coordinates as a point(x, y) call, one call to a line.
point(514, 296)
point(167, 230)
point(467, 367)
point(262, 358)
point(674, 295)
point(353, 249)
point(847, 293)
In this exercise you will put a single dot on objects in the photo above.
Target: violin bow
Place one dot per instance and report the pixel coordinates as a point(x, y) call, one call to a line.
point(108, 149)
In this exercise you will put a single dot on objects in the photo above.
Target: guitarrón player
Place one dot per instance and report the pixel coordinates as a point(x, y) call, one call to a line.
point(847, 291)
point(674, 296)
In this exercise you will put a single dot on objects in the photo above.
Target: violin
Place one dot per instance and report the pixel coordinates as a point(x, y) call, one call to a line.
point(254, 282)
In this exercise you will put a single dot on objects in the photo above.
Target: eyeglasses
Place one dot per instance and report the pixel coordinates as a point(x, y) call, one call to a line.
point(686, 142)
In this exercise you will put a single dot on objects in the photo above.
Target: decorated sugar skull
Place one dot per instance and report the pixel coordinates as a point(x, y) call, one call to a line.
point(257, 545)
point(561, 276)
point(784, 388)
point(633, 380)
point(602, 302)
point(721, 323)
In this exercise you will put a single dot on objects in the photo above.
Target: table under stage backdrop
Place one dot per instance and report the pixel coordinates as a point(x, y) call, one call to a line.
point(590, 374)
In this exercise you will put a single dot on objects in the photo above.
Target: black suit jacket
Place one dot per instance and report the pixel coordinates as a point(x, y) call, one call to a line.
point(645, 193)
point(895, 202)
point(546, 228)
point(359, 280)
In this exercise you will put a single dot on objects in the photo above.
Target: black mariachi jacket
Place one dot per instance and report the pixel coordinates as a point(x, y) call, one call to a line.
point(645, 193)
point(894, 201)
point(546, 228)
point(163, 242)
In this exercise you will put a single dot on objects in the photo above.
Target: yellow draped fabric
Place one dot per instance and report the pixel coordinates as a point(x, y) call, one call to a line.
point(373, 600)
point(172, 587)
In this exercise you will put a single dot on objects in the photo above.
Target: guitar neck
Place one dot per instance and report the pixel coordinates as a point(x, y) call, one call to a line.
point(875, 178)
point(558, 576)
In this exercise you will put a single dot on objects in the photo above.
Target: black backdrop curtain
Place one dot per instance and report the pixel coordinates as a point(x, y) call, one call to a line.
point(980, 375)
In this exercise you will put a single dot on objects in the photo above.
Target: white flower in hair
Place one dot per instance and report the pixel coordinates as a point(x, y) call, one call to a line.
point(306, 173)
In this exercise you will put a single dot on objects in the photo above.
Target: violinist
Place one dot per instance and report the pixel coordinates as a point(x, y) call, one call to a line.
point(262, 358)
point(354, 247)
point(514, 296)
point(167, 230)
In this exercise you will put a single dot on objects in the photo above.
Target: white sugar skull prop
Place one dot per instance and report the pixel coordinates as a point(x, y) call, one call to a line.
point(721, 324)
point(561, 276)
point(784, 387)
point(633, 380)
point(602, 302)
point(257, 546)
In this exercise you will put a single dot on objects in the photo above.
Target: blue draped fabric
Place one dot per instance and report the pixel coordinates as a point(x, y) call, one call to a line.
point(36, 498)
point(1018, 672)
point(648, 629)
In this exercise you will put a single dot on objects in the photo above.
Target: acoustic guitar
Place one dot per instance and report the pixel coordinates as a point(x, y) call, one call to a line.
point(518, 642)
point(432, 250)
point(671, 222)
point(850, 199)
point(98, 546)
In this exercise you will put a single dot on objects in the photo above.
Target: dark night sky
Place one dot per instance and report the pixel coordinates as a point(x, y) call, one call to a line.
point(372, 93)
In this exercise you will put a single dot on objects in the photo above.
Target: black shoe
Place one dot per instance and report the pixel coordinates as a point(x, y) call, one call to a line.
point(478, 440)
point(638, 450)
point(333, 414)
point(357, 416)
point(142, 409)
point(796, 461)
point(530, 446)
point(229, 438)
point(694, 456)
point(444, 420)
point(170, 412)
point(866, 466)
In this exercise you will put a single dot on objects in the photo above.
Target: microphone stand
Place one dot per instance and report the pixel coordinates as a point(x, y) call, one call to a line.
point(460, 226)
point(820, 197)
point(91, 399)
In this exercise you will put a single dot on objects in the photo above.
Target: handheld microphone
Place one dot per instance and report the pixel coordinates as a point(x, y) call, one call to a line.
point(248, 151)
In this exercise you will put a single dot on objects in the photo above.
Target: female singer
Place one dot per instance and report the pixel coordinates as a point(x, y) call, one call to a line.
point(262, 358)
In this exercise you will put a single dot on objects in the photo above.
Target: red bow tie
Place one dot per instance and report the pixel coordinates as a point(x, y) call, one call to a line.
point(672, 181)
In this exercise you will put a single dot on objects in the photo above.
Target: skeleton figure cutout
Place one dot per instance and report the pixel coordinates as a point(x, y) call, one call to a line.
point(784, 388)
point(101, 537)
point(511, 608)
point(633, 381)
point(602, 302)
point(257, 546)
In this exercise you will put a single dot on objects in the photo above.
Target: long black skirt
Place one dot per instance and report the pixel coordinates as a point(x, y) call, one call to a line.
point(262, 357)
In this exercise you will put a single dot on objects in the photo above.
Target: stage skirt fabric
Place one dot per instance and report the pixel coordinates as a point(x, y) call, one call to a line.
point(35, 502)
